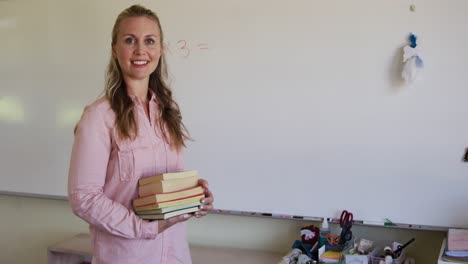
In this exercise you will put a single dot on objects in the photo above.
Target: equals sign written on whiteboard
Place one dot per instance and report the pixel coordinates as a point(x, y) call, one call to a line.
point(202, 46)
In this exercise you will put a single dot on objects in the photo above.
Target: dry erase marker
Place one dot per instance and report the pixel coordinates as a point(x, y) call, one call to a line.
point(284, 216)
point(374, 223)
point(388, 222)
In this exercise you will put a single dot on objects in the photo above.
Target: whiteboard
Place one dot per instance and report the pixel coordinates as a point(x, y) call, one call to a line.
point(296, 107)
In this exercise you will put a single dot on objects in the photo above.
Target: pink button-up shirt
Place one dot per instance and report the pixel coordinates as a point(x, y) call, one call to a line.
point(103, 180)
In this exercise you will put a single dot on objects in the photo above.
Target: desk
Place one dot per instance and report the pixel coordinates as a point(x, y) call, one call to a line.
point(78, 249)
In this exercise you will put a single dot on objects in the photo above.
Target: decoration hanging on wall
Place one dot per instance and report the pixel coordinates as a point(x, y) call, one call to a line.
point(412, 62)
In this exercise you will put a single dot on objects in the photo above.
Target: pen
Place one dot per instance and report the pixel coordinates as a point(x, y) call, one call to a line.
point(314, 247)
point(400, 248)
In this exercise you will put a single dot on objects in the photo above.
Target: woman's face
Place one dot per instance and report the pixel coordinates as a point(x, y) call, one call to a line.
point(137, 47)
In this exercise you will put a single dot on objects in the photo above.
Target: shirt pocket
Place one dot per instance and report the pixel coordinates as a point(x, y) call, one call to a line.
point(130, 158)
point(126, 165)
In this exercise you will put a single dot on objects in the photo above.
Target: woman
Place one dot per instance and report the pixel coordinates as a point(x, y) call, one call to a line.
point(134, 131)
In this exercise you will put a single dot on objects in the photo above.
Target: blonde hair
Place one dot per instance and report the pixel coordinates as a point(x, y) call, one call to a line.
point(170, 123)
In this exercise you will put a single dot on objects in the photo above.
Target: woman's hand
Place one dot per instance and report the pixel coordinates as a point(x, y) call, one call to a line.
point(207, 205)
point(165, 224)
point(207, 202)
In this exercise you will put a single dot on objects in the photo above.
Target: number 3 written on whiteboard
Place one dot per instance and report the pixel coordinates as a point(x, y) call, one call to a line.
point(184, 48)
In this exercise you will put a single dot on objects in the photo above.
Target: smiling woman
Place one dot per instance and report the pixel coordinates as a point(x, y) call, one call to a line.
point(137, 49)
point(134, 131)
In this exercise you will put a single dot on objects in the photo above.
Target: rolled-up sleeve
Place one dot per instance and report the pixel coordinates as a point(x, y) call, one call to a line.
point(87, 176)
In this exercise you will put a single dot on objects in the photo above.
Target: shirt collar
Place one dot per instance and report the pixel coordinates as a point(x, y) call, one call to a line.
point(152, 95)
point(137, 100)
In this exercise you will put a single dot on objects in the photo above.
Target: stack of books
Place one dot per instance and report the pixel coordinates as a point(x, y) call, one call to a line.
point(457, 246)
point(169, 194)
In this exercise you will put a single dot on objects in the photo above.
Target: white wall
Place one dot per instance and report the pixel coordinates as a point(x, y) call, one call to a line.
point(303, 90)
point(29, 225)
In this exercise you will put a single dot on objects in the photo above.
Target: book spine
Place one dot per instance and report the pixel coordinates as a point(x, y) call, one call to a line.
point(168, 186)
point(162, 202)
point(168, 176)
point(150, 189)
point(167, 204)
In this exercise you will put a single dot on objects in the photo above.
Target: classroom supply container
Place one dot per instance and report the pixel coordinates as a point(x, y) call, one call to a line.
point(350, 258)
point(335, 248)
point(338, 248)
point(359, 259)
point(377, 258)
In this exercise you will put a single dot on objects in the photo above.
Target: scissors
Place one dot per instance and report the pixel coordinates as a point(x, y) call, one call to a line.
point(333, 239)
point(346, 222)
point(346, 234)
point(346, 217)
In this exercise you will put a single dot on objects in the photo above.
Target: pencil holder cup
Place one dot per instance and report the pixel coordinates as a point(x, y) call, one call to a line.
point(337, 247)
point(377, 258)
point(351, 258)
